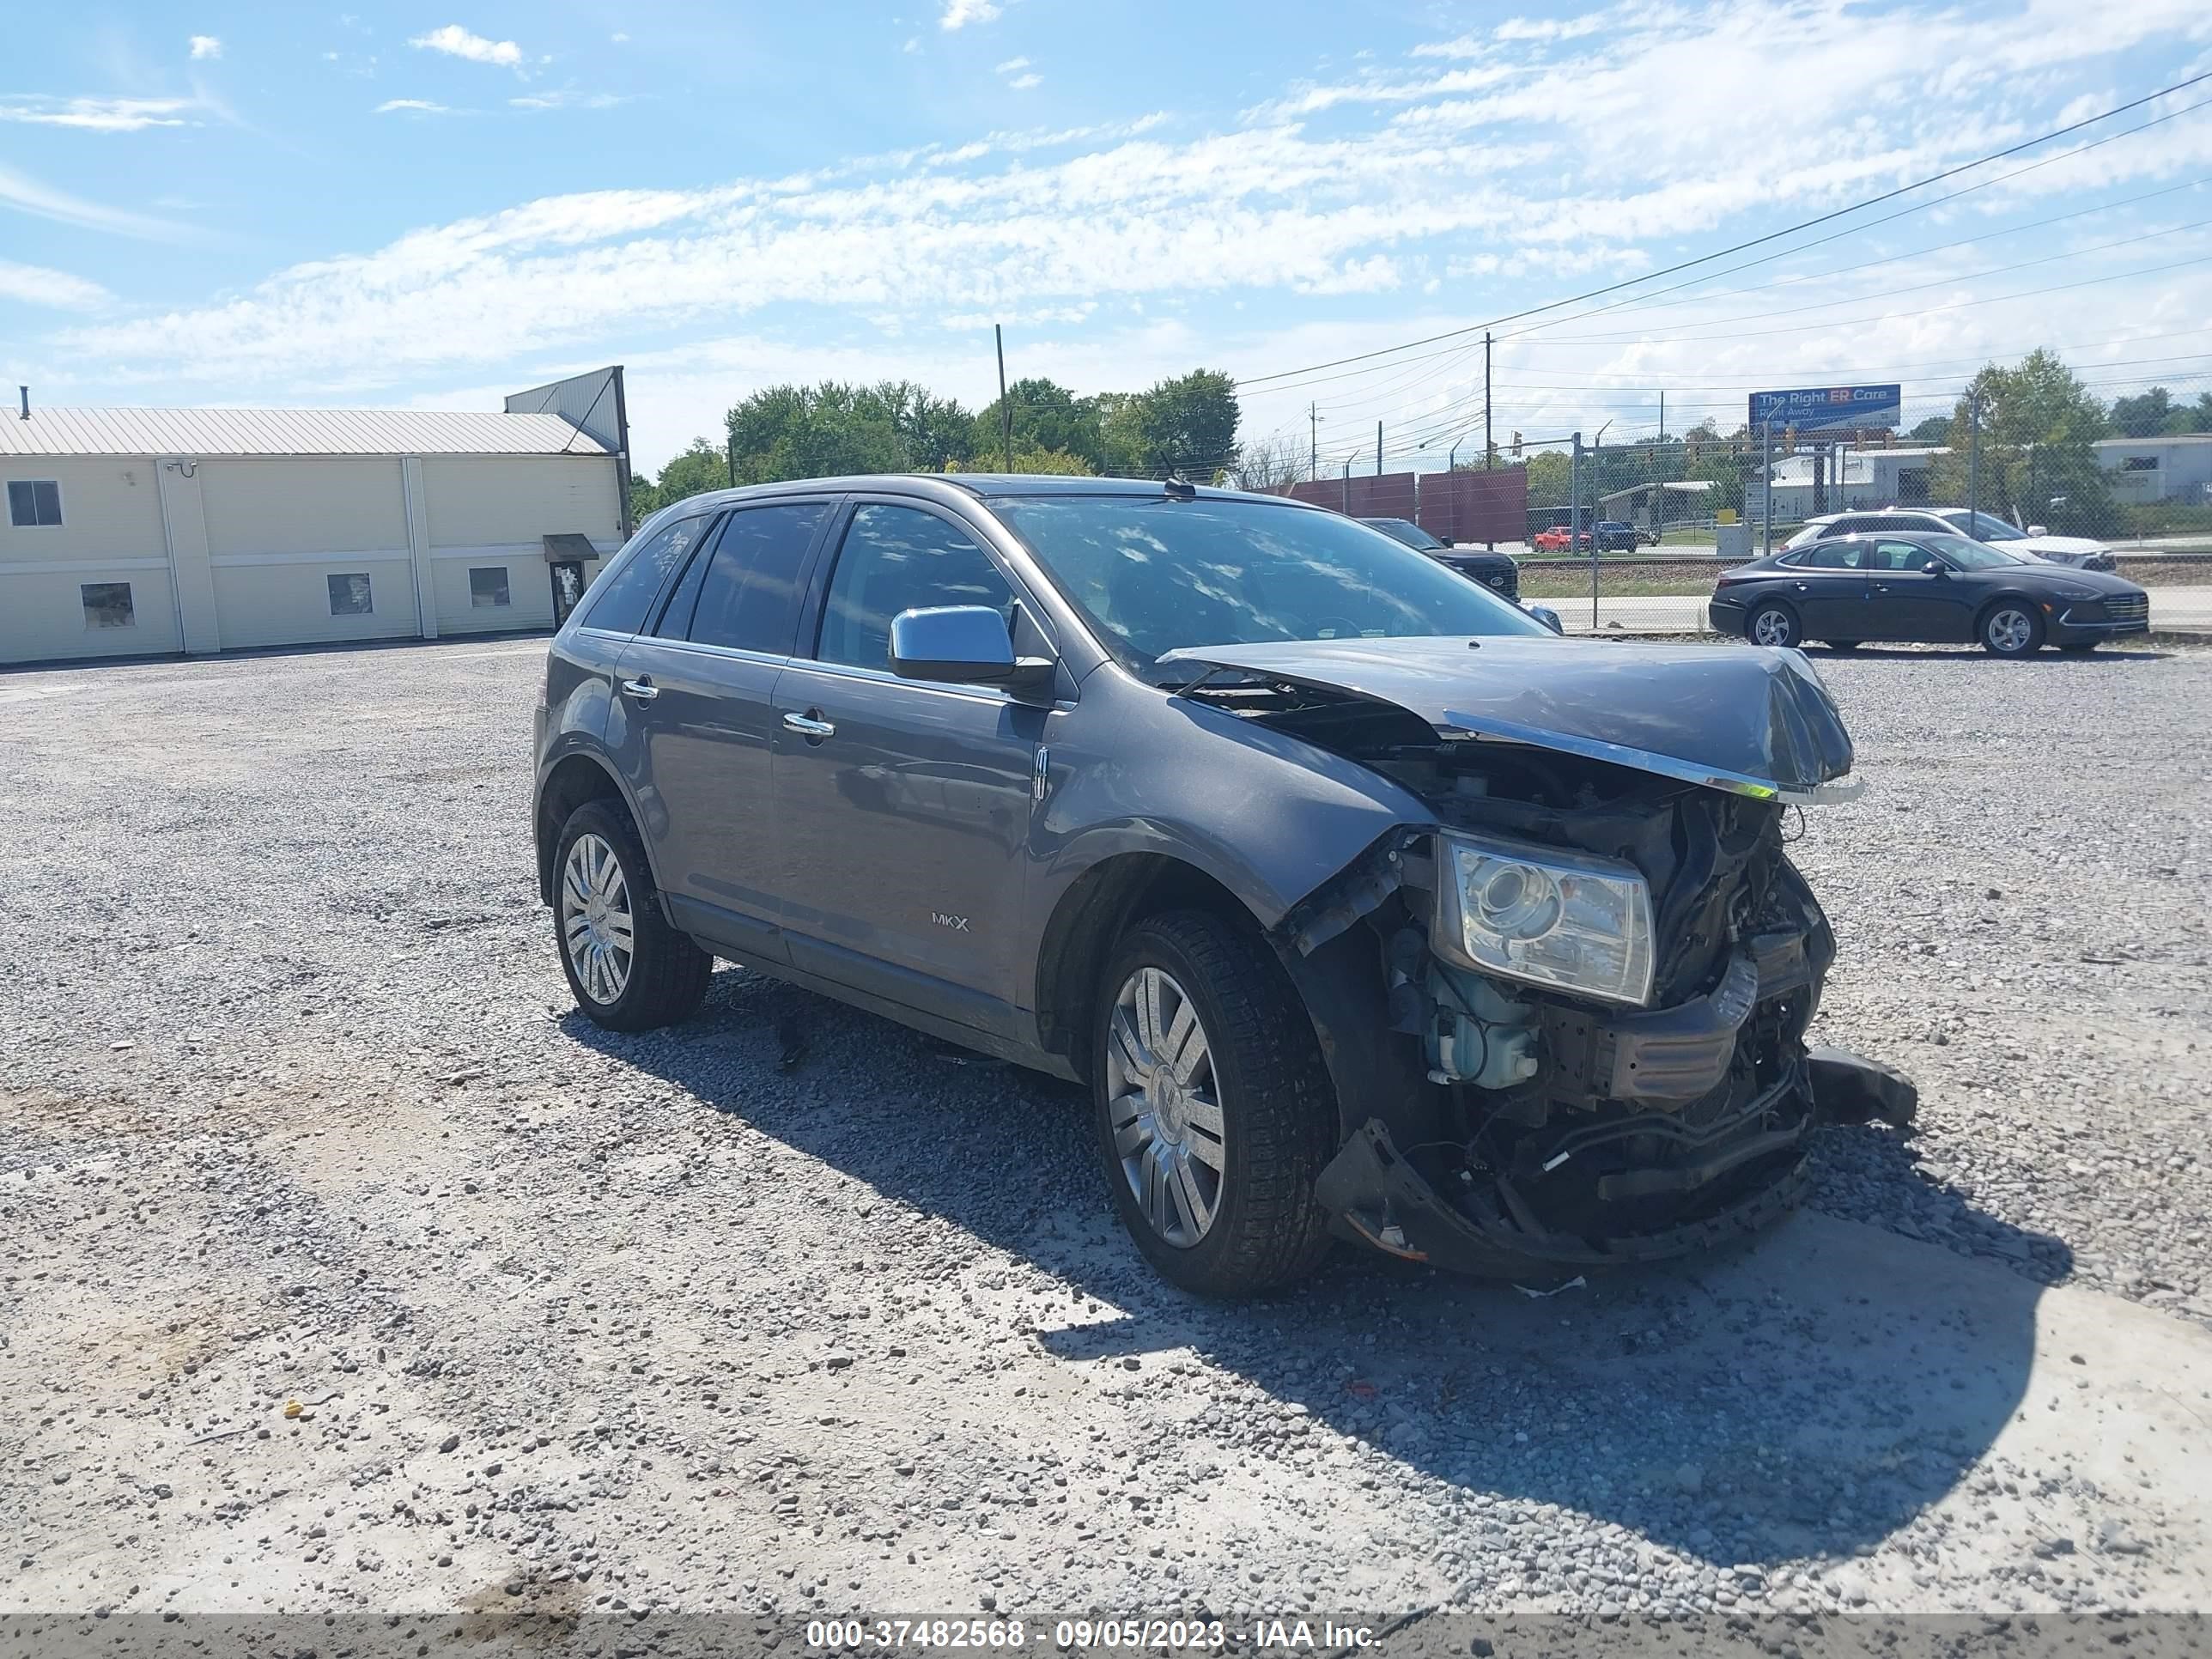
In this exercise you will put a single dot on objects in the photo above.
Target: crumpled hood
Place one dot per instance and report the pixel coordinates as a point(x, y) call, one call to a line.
point(1742, 719)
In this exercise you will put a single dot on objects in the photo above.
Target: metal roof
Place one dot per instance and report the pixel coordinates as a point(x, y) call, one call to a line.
point(288, 432)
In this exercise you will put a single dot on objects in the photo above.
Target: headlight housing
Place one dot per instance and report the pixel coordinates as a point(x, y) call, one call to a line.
point(2074, 590)
point(1570, 920)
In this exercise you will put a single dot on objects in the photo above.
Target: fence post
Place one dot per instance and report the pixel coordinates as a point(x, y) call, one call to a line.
point(1973, 455)
point(1766, 477)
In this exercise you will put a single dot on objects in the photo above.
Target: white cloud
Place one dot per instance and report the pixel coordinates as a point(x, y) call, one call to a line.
point(1012, 65)
point(567, 98)
point(26, 195)
point(1024, 83)
point(205, 46)
point(411, 107)
point(38, 285)
point(958, 14)
point(620, 38)
point(457, 42)
point(99, 114)
point(913, 44)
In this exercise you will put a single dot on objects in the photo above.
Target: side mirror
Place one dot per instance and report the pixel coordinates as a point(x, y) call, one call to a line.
point(1549, 617)
point(1935, 567)
point(961, 645)
point(2036, 530)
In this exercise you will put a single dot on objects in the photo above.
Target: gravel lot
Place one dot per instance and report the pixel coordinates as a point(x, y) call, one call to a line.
point(348, 1269)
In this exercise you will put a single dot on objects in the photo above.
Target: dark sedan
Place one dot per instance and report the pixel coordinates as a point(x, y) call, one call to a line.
point(1927, 587)
point(1613, 536)
point(1495, 571)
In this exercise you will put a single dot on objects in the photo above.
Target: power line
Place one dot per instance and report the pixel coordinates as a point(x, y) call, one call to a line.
point(1755, 241)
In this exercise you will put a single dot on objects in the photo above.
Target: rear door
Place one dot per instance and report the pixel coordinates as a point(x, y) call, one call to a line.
point(701, 683)
point(1828, 587)
point(1910, 605)
point(903, 841)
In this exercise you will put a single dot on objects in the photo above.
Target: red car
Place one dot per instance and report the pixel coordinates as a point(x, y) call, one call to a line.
point(1555, 540)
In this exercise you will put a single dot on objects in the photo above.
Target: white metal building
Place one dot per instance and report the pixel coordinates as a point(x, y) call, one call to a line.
point(137, 531)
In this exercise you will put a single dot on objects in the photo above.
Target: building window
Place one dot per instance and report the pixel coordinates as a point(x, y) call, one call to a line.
point(350, 596)
point(487, 586)
point(33, 503)
point(2139, 464)
point(107, 605)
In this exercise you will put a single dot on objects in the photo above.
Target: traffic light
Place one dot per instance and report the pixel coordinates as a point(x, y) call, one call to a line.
point(1789, 437)
point(1517, 446)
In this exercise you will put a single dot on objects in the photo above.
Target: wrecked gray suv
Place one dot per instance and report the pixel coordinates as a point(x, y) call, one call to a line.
point(1361, 903)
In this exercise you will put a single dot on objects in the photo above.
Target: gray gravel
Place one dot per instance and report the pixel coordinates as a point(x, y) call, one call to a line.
point(350, 1269)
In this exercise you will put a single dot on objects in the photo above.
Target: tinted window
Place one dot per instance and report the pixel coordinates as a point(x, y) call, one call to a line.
point(351, 595)
point(622, 601)
point(1153, 574)
point(1835, 556)
point(749, 595)
point(895, 559)
point(34, 503)
point(1897, 556)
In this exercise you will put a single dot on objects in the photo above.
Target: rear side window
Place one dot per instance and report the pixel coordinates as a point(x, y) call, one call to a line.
point(621, 603)
point(900, 558)
point(1835, 556)
point(749, 598)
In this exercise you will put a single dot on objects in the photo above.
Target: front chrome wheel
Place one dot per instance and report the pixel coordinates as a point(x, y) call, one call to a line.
point(1163, 1104)
point(598, 929)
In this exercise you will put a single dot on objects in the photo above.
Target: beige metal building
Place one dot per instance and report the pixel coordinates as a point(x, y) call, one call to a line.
point(138, 532)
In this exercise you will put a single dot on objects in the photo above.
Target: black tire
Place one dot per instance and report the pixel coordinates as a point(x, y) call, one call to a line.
point(2000, 638)
point(667, 974)
point(1841, 645)
point(1783, 623)
point(1278, 1109)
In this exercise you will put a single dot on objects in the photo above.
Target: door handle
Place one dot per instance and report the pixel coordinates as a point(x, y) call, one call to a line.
point(642, 688)
point(808, 727)
point(1803, 586)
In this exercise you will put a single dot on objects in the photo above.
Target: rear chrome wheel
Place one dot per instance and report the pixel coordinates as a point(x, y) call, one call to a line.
point(1773, 624)
point(629, 969)
point(1164, 1104)
point(597, 927)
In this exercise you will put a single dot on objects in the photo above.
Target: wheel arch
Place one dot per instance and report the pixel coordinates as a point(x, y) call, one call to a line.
point(2026, 602)
point(576, 777)
point(1772, 602)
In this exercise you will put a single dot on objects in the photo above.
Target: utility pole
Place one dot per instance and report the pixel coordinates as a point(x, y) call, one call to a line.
point(1662, 414)
point(1378, 449)
point(1485, 401)
point(1766, 478)
point(1005, 409)
point(1973, 454)
point(1347, 484)
point(1313, 440)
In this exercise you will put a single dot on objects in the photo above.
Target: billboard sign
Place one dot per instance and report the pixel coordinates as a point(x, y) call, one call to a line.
point(1809, 408)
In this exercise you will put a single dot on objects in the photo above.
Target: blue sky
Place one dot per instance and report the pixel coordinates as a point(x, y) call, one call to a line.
point(434, 204)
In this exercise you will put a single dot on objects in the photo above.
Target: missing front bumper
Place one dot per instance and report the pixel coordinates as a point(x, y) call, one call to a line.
point(1373, 1194)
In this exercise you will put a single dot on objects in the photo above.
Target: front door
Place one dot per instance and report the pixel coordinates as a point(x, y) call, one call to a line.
point(700, 682)
point(1910, 605)
point(903, 844)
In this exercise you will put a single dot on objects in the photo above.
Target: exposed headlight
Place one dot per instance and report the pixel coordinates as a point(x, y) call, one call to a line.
point(2074, 590)
point(1567, 920)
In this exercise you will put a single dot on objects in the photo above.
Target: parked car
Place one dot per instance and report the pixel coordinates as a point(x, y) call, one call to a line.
point(1361, 902)
point(1559, 539)
point(1922, 586)
point(1615, 536)
point(2077, 551)
point(1495, 571)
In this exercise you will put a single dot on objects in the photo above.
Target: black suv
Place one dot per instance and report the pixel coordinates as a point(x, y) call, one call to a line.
point(1361, 902)
point(1496, 571)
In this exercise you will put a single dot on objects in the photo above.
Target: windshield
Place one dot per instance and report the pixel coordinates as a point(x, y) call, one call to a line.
point(1403, 530)
point(1151, 575)
point(1983, 527)
point(1971, 556)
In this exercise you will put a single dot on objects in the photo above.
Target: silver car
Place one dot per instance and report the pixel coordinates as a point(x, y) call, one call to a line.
point(1363, 905)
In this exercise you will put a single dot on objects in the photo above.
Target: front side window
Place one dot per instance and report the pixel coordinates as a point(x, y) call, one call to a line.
point(350, 595)
point(1988, 527)
point(34, 503)
point(621, 602)
point(1153, 575)
point(748, 597)
point(1898, 556)
point(488, 586)
point(108, 605)
point(899, 558)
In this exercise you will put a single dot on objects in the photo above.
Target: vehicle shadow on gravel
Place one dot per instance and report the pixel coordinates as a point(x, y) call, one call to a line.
point(1810, 1391)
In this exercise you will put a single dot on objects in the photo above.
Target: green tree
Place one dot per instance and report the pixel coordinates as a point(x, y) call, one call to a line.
point(701, 466)
point(935, 434)
point(2143, 415)
point(1187, 424)
point(1047, 417)
point(1029, 458)
point(1549, 476)
point(1935, 429)
point(814, 432)
point(2037, 422)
